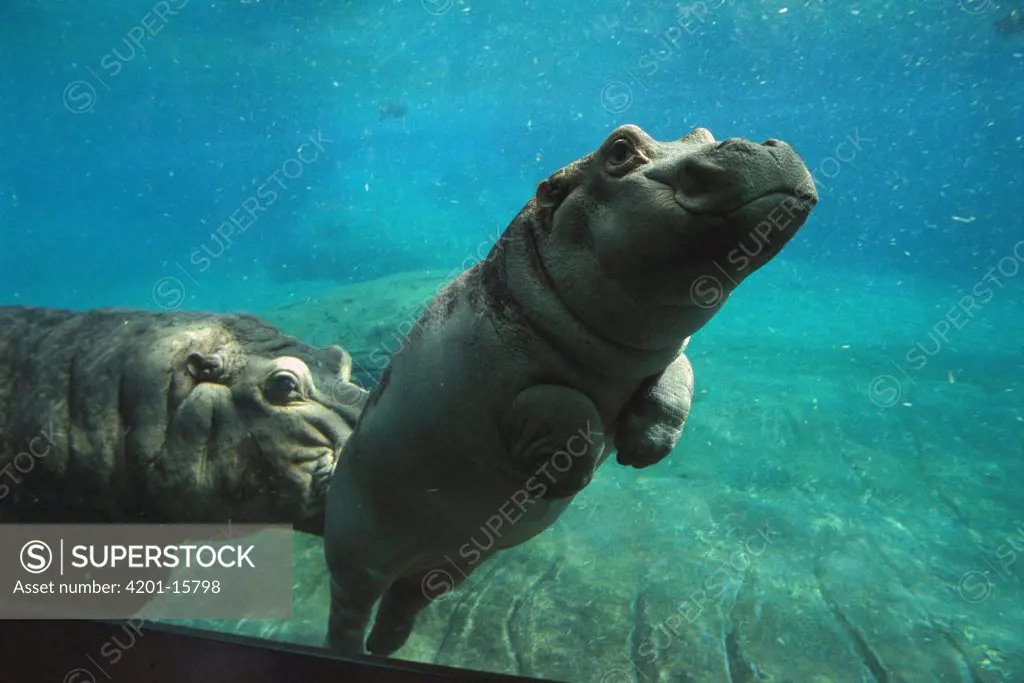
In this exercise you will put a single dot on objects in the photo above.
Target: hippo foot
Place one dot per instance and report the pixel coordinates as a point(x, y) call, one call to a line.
point(385, 642)
point(347, 642)
point(645, 447)
point(555, 434)
point(653, 420)
point(404, 600)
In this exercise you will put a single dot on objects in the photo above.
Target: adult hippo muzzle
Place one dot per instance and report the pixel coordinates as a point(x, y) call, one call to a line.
point(120, 415)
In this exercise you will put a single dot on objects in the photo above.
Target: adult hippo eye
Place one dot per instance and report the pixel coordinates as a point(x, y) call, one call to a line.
point(621, 151)
point(282, 387)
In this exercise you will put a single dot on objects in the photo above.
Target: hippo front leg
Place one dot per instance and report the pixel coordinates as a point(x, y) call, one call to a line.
point(554, 434)
point(652, 421)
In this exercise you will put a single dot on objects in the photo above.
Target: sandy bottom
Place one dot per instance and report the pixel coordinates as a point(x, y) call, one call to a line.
point(835, 511)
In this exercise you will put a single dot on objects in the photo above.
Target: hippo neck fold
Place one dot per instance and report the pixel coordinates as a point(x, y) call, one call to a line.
point(514, 274)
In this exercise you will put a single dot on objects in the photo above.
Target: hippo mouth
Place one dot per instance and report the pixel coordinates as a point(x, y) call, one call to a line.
point(742, 207)
point(318, 464)
point(778, 210)
point(742, 233)
point(315, 457)
point(733, 210)
point(764, 222)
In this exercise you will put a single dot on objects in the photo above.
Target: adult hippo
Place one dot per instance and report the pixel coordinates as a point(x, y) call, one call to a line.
point(120, 415)
point(529, 368)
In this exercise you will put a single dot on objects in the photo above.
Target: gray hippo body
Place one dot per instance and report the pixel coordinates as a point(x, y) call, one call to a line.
point(120, 415)
point(527, 370)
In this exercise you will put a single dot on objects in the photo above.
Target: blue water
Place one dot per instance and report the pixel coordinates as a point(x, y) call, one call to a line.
point(119, 161)
point(183, 127)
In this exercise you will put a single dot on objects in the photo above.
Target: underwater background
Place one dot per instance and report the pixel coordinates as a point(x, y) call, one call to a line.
point(859, 401)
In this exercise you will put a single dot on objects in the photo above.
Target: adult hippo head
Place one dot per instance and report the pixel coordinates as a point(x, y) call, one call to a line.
point(257, 427)
point(171, 417)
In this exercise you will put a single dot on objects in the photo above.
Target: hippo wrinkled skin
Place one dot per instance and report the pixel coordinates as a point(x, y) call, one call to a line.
point(121, 415)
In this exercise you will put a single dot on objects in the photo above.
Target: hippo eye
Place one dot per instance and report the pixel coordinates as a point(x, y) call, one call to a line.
point(621, 151)
point(282, 387)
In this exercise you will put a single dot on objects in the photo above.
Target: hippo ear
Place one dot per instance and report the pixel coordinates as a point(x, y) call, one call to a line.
point(339, 358)
point(549, 193)
point(205, 367)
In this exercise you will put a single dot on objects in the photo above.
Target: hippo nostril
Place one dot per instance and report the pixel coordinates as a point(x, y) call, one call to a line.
point(772, 142)
point(727, 143)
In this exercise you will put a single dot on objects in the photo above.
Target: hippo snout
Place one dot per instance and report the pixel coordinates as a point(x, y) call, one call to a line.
point(718, 178)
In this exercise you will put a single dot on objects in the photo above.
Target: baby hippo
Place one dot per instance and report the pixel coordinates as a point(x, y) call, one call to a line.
point(527, 370)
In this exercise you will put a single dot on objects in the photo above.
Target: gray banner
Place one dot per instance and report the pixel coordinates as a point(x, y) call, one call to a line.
point(141, 571)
